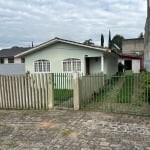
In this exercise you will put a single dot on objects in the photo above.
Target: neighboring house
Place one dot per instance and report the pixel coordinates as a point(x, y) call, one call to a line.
point(64, 56)
point(133, 54)
point(9, 64)
point(147, 39)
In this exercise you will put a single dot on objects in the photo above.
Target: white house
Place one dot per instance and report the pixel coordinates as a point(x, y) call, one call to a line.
point(64, 56)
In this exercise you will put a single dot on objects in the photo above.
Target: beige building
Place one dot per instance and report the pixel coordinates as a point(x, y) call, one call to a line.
point(133, 46)
point(132, 54)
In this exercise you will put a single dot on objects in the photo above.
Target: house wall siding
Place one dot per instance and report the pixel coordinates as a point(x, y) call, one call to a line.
point(111, 64)
point(57, 53)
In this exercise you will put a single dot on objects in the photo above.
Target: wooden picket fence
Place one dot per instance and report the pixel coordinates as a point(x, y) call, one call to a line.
point(28, 91)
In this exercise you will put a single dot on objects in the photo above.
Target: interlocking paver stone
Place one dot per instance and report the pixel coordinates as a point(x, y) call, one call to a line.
point(72, 130)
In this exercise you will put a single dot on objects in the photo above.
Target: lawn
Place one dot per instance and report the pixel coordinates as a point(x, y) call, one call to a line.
point(62, 95)
point(126, 91)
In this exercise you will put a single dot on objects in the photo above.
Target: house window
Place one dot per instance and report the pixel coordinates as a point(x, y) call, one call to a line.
point(72, 65)
point(1, 60)
point(11, 60)
point(22, 60)
point(42, 66)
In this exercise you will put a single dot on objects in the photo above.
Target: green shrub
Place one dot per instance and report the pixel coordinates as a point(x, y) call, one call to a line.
point(145, 84)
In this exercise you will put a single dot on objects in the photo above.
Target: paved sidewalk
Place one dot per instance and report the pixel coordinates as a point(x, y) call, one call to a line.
point(70, 130)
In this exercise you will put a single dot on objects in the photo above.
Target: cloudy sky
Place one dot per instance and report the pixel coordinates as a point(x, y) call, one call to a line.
point(24, 21)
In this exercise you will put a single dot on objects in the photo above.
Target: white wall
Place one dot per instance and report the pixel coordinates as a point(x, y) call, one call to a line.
point(111, 64)
point(95, 65)
point(136, 66)
point(17, 60)
point(5, 60)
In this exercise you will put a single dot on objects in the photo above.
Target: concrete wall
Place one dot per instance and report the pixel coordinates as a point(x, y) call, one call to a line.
point(12, 69)
point(133, 45)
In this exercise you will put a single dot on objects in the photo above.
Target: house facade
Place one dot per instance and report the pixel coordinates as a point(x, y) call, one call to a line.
point(64, 56)
point(9, 64)
point(133, 54)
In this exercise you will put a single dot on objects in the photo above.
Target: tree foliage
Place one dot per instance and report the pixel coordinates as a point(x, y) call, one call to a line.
point(117, 39)
point(102, 40)
point(109, 40)
point(141, 35)
point(88, 42)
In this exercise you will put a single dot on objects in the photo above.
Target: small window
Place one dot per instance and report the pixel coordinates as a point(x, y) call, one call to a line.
point(1, 60)
point(72, 65)
point(22, 60)
point(11, 60)
point(42, 66)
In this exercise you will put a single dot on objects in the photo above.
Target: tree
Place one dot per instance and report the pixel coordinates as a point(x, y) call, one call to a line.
point(88, 42)
point(109, 40)
point(117, 39)
point(102, 40)
point(141, 35)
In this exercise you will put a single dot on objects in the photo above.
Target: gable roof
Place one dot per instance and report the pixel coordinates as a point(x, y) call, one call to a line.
point(11, 52)
point(56, 40)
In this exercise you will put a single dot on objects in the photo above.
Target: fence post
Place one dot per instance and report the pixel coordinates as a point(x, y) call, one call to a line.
point(76, 94)
point(50, 92)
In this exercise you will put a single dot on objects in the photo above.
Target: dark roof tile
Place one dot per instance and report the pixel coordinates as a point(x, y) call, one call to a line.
point(11, 52)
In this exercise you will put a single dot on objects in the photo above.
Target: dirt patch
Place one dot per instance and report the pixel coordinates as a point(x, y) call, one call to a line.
point(70, 133)
point(5, 130)
point(46, 124)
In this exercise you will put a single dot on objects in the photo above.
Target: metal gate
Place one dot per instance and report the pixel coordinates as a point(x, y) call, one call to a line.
point(63, 90)
point(128, 94)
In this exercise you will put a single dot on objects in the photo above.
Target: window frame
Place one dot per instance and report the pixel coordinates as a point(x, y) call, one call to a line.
point(11, 60)
point(41, 66)
point(74, 65)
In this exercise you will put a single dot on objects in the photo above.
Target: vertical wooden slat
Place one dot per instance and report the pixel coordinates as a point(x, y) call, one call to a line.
point(36, 91)
point(17, 93)
point(20, 96)
point(23, 91)
point(46, 91)
point(29, 92)
point(39, 90)
point(26, 92)
point(43, 90)
point(11, 91)
point(1, 92)
point(8, 92)
point(33, 91)
point(5, 93)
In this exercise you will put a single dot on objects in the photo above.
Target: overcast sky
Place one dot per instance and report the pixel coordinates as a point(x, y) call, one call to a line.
point(24, 21)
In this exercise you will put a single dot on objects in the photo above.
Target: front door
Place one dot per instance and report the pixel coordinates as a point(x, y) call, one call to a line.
point(128, 64)
point(87, 61)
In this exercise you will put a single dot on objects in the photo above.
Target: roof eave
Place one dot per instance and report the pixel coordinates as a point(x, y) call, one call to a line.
point(58, 40)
